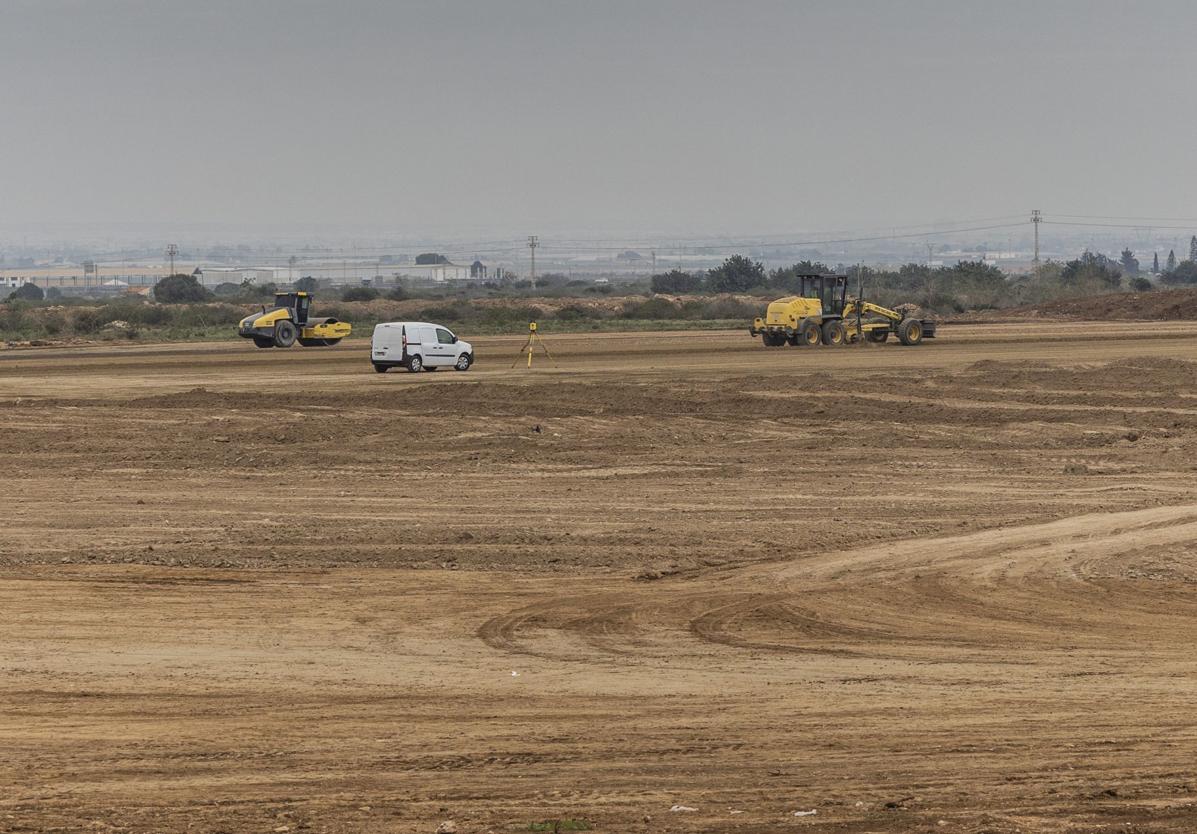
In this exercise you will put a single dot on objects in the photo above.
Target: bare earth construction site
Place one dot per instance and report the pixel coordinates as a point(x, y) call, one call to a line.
point(943, 588)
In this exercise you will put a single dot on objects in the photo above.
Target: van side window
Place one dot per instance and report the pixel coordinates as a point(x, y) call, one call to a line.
point(444, 336)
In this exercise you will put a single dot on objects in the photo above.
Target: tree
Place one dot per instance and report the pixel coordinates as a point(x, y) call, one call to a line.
point(430, 258)
point(787, 278)
point(1193, 248)
point(675, 281)
point(26, 292)
point(1171, 261)
point(1185, 273)
point(1130, 264)
point(180, 289)
point(306, 284)
point(359, 294)
point(1141, 284)
point(1155, 263)
point(736, 274)
point(227, 289)
point(1091, 270)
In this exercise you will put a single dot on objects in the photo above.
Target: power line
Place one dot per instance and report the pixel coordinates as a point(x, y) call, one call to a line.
point(1126, 217)
point(1115, 225)
point(590, 243)
point(822, 242)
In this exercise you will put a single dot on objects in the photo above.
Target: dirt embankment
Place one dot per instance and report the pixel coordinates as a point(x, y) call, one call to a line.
point(1159, 305)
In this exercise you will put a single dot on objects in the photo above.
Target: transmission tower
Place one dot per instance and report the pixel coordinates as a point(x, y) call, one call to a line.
point(533, 242)
point(171, 251)
point(1036, 219)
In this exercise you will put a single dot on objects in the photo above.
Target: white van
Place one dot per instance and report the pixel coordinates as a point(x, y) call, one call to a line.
point(418, 346)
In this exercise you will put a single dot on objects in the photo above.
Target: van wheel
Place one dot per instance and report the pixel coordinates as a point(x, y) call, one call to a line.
point(380, 369)
point(463, 362)
point(415, 364)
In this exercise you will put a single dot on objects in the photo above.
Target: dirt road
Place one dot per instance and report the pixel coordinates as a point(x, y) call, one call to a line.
point(947, 589)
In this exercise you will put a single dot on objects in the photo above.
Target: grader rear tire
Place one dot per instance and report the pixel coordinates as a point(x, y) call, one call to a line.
point(910, 332)
point(834, 334)
point(878, 337)
point(809, 334)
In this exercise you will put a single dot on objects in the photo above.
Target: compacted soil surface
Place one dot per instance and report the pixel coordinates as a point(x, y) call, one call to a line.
point(670, 582)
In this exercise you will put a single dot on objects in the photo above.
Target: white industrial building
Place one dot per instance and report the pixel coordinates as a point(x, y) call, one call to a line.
point(211, 276)
point(438, 273)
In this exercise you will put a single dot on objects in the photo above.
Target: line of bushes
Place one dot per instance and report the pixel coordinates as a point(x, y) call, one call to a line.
point(134, 318)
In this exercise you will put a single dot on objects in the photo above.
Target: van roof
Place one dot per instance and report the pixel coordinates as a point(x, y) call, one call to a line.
point(409, 324)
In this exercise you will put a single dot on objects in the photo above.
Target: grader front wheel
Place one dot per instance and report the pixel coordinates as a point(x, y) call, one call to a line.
point(910, 332)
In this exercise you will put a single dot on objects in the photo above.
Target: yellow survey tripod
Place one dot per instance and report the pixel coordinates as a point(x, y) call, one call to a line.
point(533, 342)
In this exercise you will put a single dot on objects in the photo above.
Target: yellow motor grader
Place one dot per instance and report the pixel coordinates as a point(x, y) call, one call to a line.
point(824, 314)
point(289, 321)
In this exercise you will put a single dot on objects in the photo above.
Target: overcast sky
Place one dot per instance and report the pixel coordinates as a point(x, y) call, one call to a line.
point(668, 115)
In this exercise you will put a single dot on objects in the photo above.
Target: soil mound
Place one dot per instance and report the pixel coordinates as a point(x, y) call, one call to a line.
point(1160, 305)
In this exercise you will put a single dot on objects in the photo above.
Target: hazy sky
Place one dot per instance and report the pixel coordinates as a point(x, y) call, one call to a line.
point(677, 115)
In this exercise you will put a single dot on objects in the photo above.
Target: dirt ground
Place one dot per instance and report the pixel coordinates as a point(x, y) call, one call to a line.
point(949, 588)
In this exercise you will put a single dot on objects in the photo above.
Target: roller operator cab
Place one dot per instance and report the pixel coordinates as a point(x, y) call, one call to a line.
point(418, 346)
point(290, 321)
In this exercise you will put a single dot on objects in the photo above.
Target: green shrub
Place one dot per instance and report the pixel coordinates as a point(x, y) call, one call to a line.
point(27, 292)
point(576, 312)
point(87, 321)
point(653, 308)
point(359, 294)
point(180, 289)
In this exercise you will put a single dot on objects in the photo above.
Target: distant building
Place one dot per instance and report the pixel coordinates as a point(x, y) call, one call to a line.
point(214, 275)
point(478, 271)
point(12, 282)
point(438, 273)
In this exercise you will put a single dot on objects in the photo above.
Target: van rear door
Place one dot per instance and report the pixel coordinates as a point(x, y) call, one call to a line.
point(386, 345)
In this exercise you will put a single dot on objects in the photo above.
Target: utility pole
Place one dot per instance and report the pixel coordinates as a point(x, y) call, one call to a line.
point(1036, 219)
point(172, 250)
point(533, 242)
point(930, 250)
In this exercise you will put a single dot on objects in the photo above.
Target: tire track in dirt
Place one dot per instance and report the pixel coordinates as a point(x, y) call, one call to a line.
point(984, 592)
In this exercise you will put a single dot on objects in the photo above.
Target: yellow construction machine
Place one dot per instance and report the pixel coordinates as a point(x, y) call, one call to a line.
point(289, 321)
point(824, 313)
